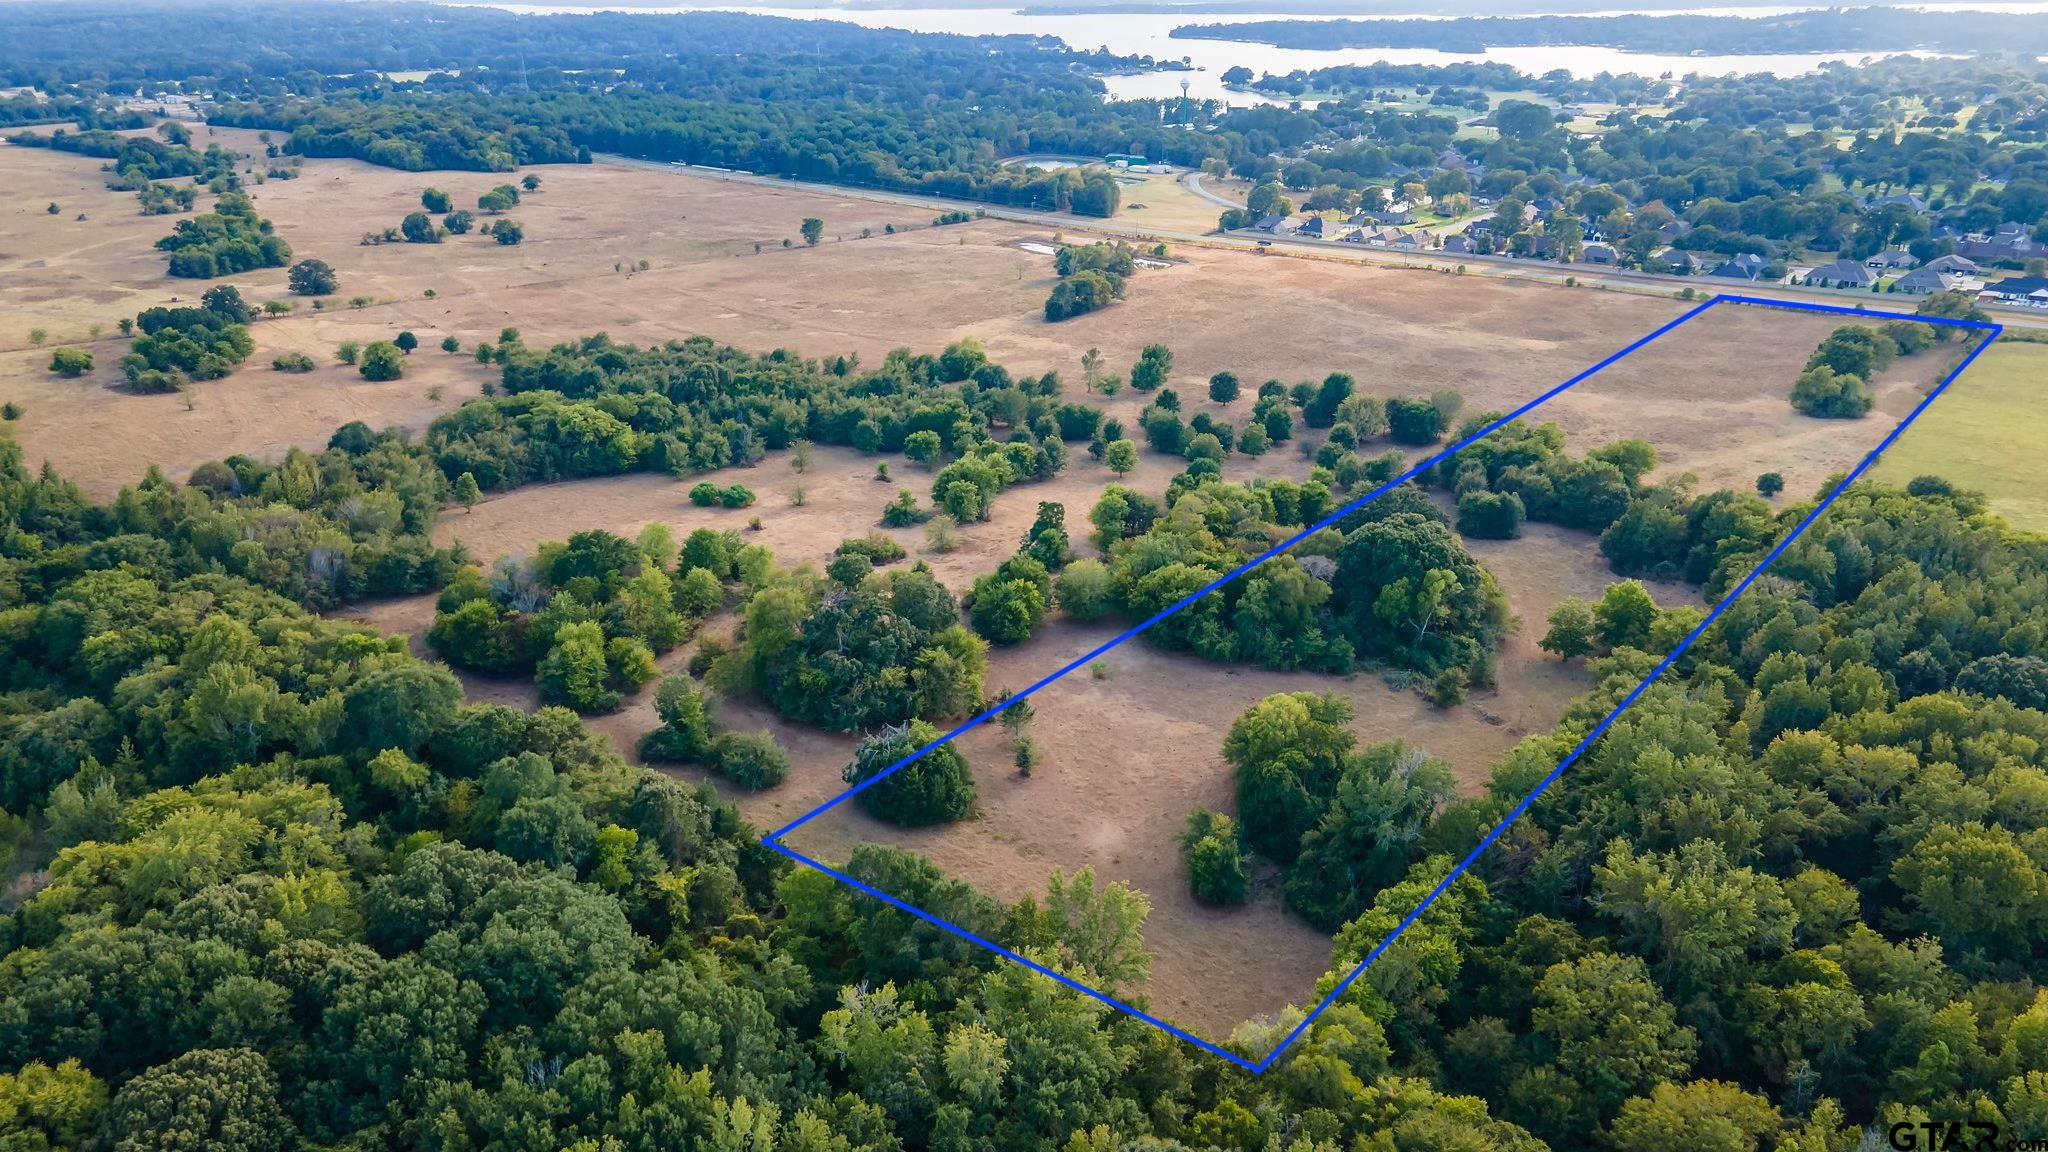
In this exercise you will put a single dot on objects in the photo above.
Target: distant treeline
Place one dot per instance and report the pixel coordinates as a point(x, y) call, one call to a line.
point(1836, 30)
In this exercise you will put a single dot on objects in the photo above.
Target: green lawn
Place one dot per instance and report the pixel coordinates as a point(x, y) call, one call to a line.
point(1989, 431)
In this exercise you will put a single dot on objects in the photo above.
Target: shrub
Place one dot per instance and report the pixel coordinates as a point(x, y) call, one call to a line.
point(1414, 421)
point(293, 362)
point(1084, 591)
point(936, 788)
point(1490, 515)
point(902, 512)
point(1770, 484)
point(751, 760)
point(71, 362)
point(879, 549)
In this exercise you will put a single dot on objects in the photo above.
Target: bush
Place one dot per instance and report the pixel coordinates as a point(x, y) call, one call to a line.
point(936, 788)
point(1490, 515)
point(1770, 484)
point(71, 362)
point(1084, 592)
point(293, 362)
point(1414, 421)
point(1215, 861)
point(751, 760)
point(879, 549)
point(902, 512)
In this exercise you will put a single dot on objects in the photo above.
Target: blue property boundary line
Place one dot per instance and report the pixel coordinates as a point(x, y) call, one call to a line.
point(775, 839)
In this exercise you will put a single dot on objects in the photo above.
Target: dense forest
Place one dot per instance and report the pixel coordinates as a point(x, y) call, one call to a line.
point(1796, 890)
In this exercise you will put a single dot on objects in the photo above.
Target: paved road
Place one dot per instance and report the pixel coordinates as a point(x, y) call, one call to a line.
point(1498, 267)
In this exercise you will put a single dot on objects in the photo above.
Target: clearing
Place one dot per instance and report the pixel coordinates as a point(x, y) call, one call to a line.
point(1985, 433)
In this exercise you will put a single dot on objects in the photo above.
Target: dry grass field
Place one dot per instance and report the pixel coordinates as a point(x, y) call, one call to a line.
point(1715, 390)
point(1127, 753)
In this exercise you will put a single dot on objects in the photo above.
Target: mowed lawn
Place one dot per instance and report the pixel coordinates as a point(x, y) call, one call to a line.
point(1986, 433)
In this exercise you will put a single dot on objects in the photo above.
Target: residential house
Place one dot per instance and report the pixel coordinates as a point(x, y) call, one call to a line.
point(1842, 274)
point(1355, 236)
point(2012, 242)
point(1408, 241)
point(1278, 225)
point(1953, 265)
point(1891, 260)
point(1683, 262)
point(1459, 246)
point(1906, 199)
point(1598, 254)
point(2029, 290)
point(1921, 282)
point(1741, 266)
point(1311, 229)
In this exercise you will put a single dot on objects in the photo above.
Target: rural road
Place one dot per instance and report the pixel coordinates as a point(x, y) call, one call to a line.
point(1501, 267)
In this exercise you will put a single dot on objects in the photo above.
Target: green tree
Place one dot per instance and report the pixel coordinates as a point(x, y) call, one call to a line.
point(936, 788)
point(382, 360)
point(508, 232)
point(435, 200)
point(406, 342)
point(1707, 1115)
point(813, 230)
point(1610, 1029)
point(418, 228)
point(466, 492)
point(1573, 629)
point(312, 278)
point(1155, 361)
point(1121, 457)
point(1223, 387)
point(217, 1099)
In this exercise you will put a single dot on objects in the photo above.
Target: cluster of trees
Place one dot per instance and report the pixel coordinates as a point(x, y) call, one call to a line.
point(596, 408)
point(227, 240)
point(1665, 531)
point(1007, 605)
point(1343, 822)
point(587, 616)
point(1092, 276)
point(691, 734)
point(1836, 382)
point(1392, 583)
point(180, 344)
point(141, 163)
point(1780, 899)
point(856, 650)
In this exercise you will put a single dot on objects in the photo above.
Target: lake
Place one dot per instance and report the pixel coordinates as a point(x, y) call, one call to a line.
point(1145, 34)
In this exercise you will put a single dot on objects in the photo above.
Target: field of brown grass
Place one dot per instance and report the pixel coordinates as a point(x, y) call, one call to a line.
point(1717, 395)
